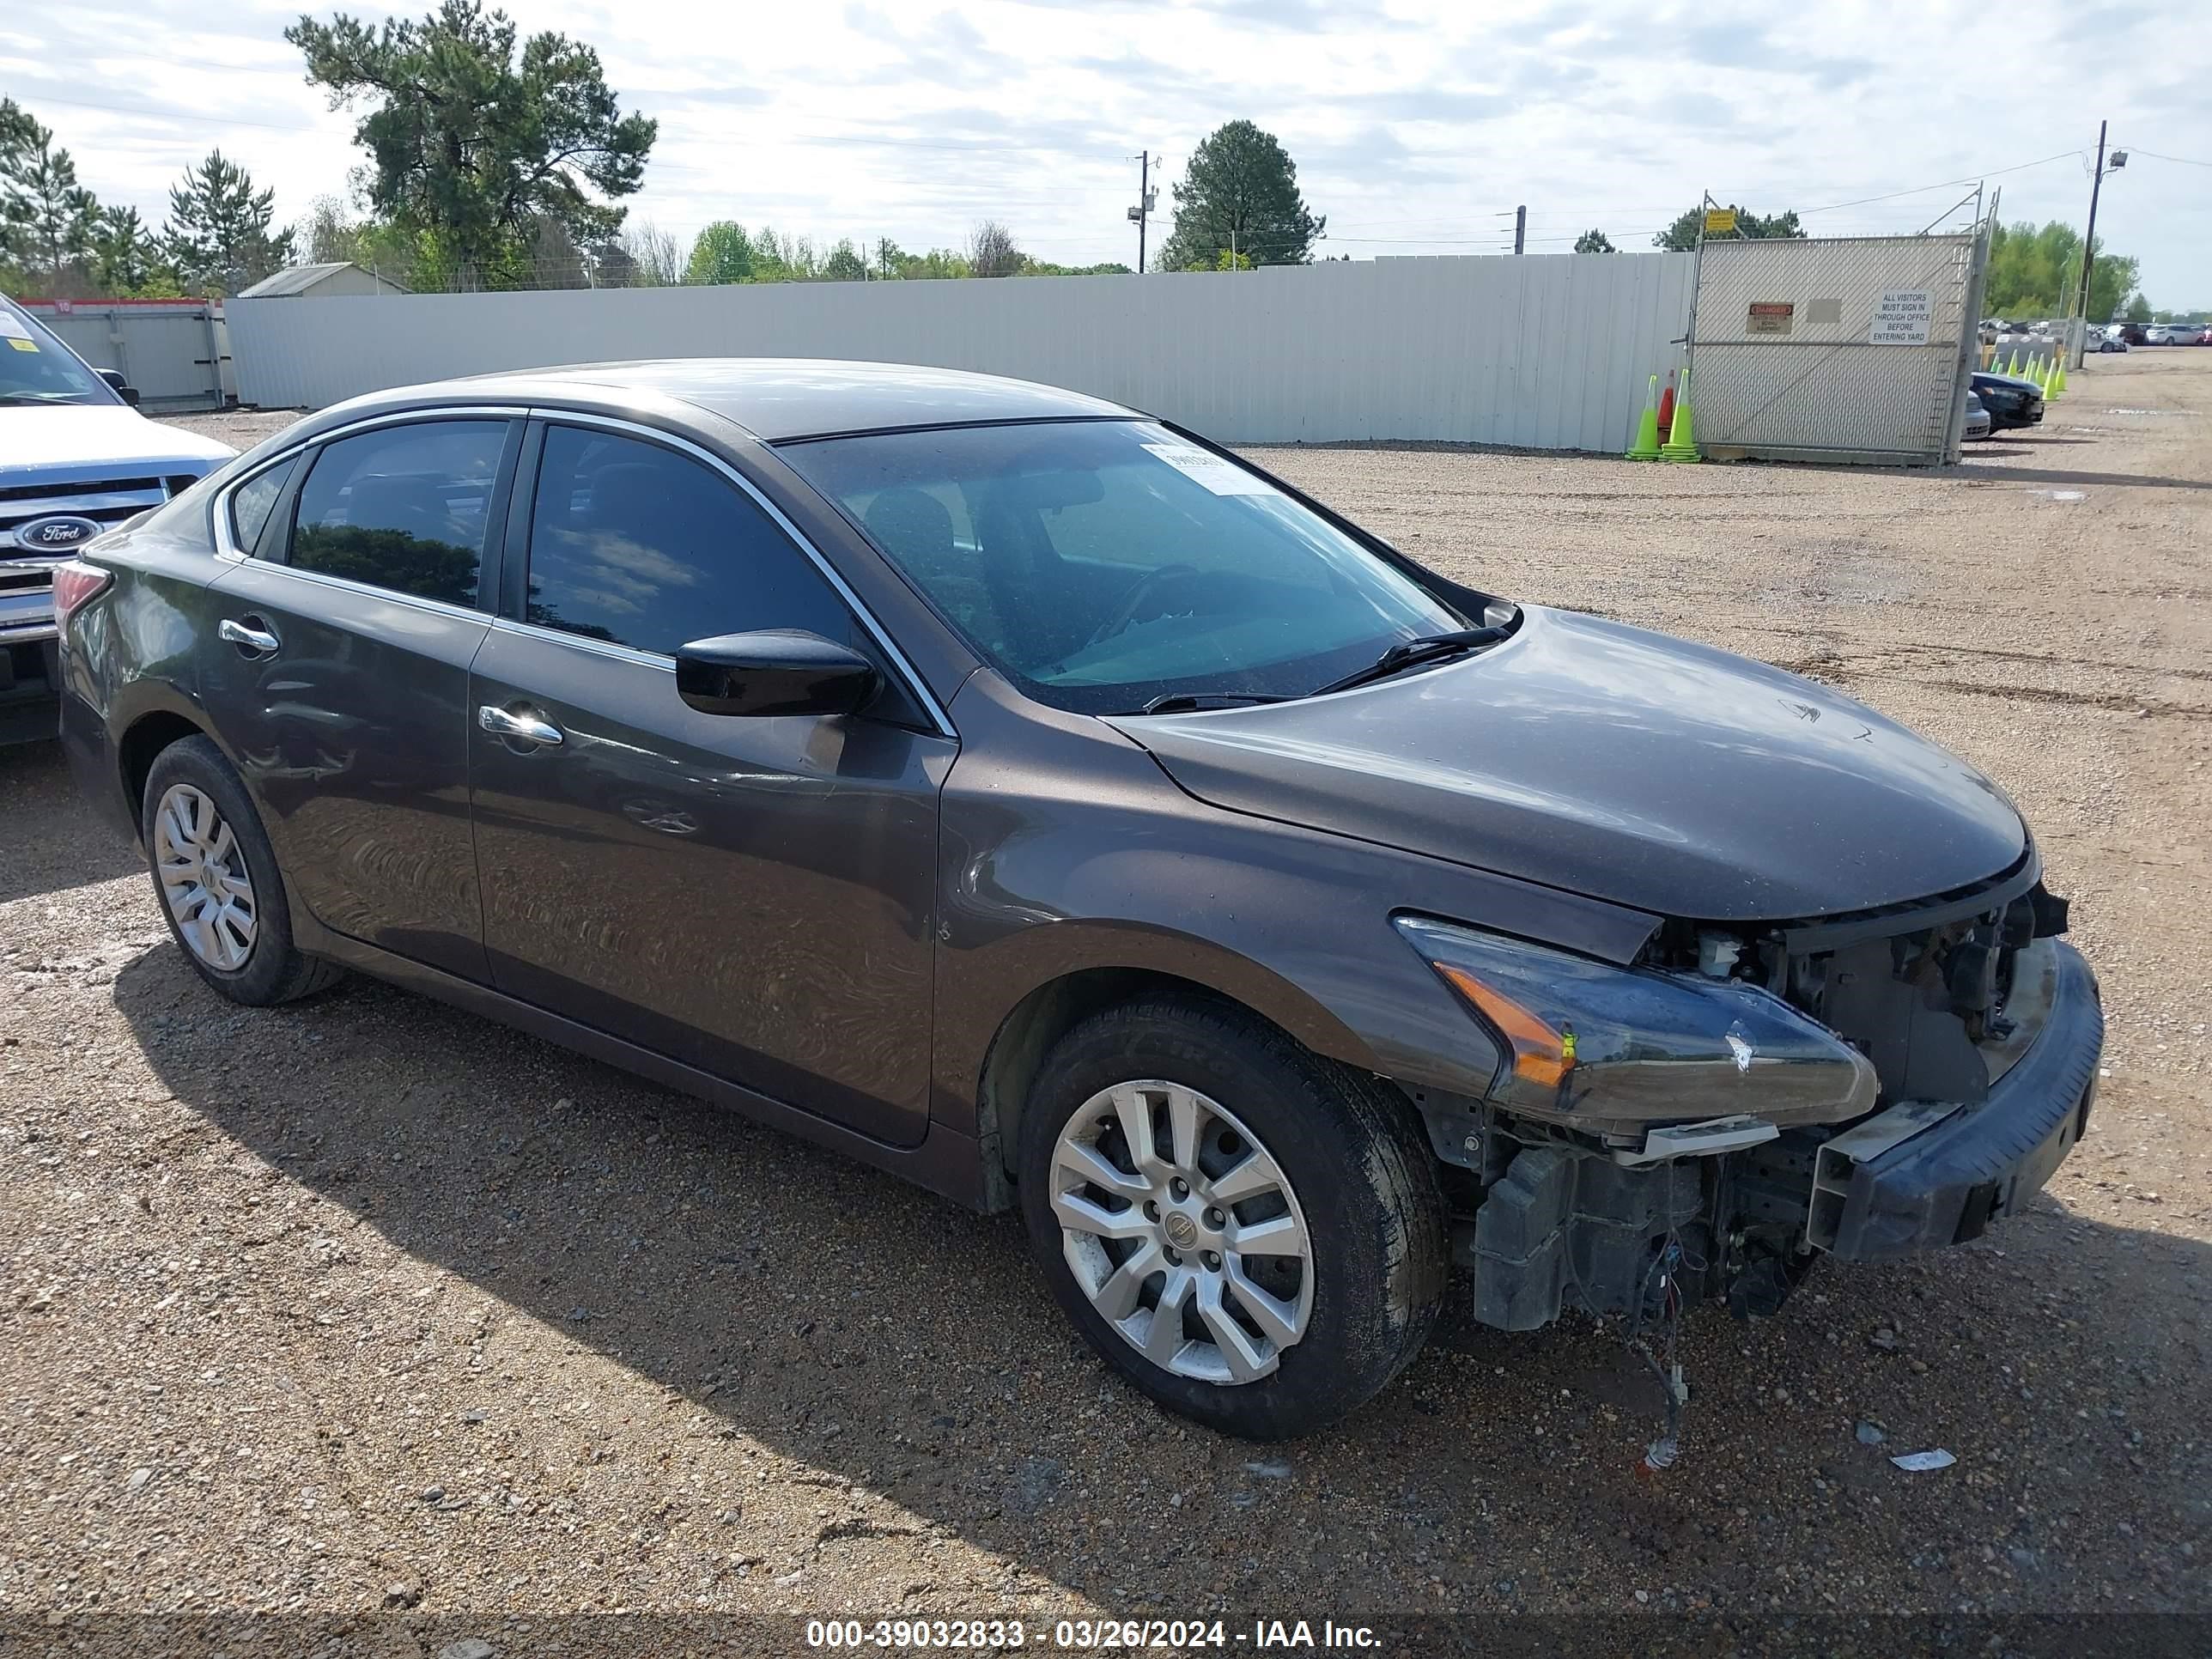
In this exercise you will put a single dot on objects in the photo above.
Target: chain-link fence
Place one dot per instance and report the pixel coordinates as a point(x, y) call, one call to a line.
point(1842, 349)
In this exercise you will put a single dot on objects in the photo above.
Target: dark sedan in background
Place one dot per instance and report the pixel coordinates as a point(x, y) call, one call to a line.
point(1021, 793)
point(2012, 400)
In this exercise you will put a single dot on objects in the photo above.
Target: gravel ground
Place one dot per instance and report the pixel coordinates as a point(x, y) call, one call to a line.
point(366, 1309)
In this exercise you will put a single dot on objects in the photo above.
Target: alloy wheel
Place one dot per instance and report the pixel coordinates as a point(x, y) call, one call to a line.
point(203, 878)
point(1183, 1231)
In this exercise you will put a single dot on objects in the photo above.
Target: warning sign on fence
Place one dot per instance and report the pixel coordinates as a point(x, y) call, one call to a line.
point(1771, 317)
point(1903, 317)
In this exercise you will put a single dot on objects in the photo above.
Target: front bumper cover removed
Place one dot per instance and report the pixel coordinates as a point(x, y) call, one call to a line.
point(1920, 1176)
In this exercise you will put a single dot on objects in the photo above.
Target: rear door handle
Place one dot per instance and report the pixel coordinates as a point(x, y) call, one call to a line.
point(249, 637)
point(526, 728)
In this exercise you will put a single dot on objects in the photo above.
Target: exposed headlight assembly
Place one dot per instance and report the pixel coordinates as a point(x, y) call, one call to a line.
point(1583, 1041)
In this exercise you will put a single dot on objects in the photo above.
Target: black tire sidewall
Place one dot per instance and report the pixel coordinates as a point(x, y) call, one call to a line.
point(1374, 1293)
point(271, 967)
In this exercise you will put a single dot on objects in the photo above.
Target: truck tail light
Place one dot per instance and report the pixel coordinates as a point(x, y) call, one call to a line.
point(75, 583)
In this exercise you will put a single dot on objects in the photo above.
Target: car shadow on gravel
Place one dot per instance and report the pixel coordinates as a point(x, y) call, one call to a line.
point(35, 784)
point(885, 1338)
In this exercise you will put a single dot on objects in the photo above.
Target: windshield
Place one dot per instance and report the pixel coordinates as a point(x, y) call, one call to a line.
point(1103, 565)
point(37, 369)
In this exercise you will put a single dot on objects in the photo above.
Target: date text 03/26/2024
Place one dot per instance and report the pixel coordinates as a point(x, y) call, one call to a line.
point(1075, 1635)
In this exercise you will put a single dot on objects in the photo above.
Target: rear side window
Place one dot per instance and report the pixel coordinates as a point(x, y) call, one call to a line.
point(404, 508)
point(252, 501)
point(637, 545)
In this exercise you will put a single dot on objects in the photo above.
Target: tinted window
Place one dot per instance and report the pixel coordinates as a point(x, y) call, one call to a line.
point(403, 507)
point(636, 544)
point(1103, 563)
point(251, 502)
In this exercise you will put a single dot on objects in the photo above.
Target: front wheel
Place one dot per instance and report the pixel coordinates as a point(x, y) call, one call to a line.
point(1249, 1233)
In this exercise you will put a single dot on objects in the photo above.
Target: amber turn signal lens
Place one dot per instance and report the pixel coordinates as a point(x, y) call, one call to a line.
point(1540, 1055)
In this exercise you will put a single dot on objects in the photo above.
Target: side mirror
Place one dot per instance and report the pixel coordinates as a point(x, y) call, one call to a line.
point(774, 672)
point(124, 389)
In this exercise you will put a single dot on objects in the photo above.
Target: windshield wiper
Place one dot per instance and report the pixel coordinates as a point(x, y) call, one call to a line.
point(1425, 647)
point(1183, 702)
point(38, 396)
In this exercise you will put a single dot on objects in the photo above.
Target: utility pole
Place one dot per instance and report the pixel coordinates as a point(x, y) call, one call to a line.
point(1520, 228)
point(2089, 241)
point(1146, 198)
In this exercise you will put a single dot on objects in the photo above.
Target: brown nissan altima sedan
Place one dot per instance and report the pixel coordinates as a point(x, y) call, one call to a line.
point(1025, 795)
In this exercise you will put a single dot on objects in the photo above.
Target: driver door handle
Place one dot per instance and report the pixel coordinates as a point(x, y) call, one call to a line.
point(524, 728)
point(247, 636)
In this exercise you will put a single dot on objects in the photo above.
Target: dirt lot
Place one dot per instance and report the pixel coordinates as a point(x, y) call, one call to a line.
point(364, 1303)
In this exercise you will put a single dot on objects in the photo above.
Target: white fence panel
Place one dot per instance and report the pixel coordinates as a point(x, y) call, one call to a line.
point(1546, 351)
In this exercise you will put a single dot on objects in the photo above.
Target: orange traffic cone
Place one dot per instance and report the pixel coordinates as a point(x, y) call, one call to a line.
point(1667, 408)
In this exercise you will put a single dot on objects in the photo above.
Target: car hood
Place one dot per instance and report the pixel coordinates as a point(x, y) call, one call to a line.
point(1986, 381)
point(1618, 764)
point(38, 438)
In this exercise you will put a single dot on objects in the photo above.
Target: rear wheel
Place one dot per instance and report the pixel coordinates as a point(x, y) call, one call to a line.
point(215, 879)
point(1249, 1233)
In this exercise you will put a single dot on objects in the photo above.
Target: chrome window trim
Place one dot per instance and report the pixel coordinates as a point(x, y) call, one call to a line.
point(347, 585)
point(597, 647)
point(905, 669)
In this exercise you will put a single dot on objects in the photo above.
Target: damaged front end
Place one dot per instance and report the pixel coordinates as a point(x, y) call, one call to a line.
point(1748, 1097)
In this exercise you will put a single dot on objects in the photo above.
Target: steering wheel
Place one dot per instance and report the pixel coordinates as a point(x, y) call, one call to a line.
point(1134, 600)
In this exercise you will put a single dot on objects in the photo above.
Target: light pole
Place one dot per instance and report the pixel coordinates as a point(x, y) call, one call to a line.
point(2089, 241)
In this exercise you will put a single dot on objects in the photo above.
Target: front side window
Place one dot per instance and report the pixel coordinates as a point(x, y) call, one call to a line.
point(1102, 564)
point(634, 544)
point(403, 507)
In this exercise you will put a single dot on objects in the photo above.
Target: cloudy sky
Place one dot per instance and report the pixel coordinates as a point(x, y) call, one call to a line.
point(1417, 125)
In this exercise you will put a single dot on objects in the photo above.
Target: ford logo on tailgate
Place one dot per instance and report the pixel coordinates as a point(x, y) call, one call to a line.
point(61, 533)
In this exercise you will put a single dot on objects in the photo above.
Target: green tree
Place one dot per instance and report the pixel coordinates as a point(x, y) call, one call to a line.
point(723, 252)
point(126, 259)
point(47, 218)
point(472, 144)
point(1682, 235)
point(2138, 310)
point(1240, 191)
point(218, 233)
point(1595, 241)
point(844, 263)
point(2035, 272)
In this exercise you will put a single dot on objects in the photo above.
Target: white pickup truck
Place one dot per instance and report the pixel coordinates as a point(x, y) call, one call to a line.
point(76, 459)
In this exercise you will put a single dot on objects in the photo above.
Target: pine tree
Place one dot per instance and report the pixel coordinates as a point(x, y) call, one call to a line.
point(218, 234)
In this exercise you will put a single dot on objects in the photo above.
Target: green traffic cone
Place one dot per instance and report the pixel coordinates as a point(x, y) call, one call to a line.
point(1681, 443)
point(1646, 447)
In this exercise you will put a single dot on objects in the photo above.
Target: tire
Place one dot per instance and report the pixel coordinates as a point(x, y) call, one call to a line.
point(244, 948)
point(1353, 1178)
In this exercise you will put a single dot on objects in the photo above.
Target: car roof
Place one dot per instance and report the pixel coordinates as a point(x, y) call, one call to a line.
point(780, 398)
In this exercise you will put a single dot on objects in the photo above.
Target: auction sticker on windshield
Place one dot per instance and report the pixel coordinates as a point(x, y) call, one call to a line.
point(1217, 474)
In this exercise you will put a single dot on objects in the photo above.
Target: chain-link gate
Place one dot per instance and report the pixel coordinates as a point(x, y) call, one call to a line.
point(1838, 348)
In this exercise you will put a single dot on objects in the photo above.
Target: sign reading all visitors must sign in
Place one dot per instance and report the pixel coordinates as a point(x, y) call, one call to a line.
point(1903, 317)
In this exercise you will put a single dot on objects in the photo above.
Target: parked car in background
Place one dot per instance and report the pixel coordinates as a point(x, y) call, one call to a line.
point(2104, 340)
point(2162, 334)
point(2131, 333)
point(75, 459)
point(1977, 417)
point(1014, 790)
point(2012, 400)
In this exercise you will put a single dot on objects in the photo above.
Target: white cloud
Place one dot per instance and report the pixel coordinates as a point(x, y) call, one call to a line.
point(1416, 123)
